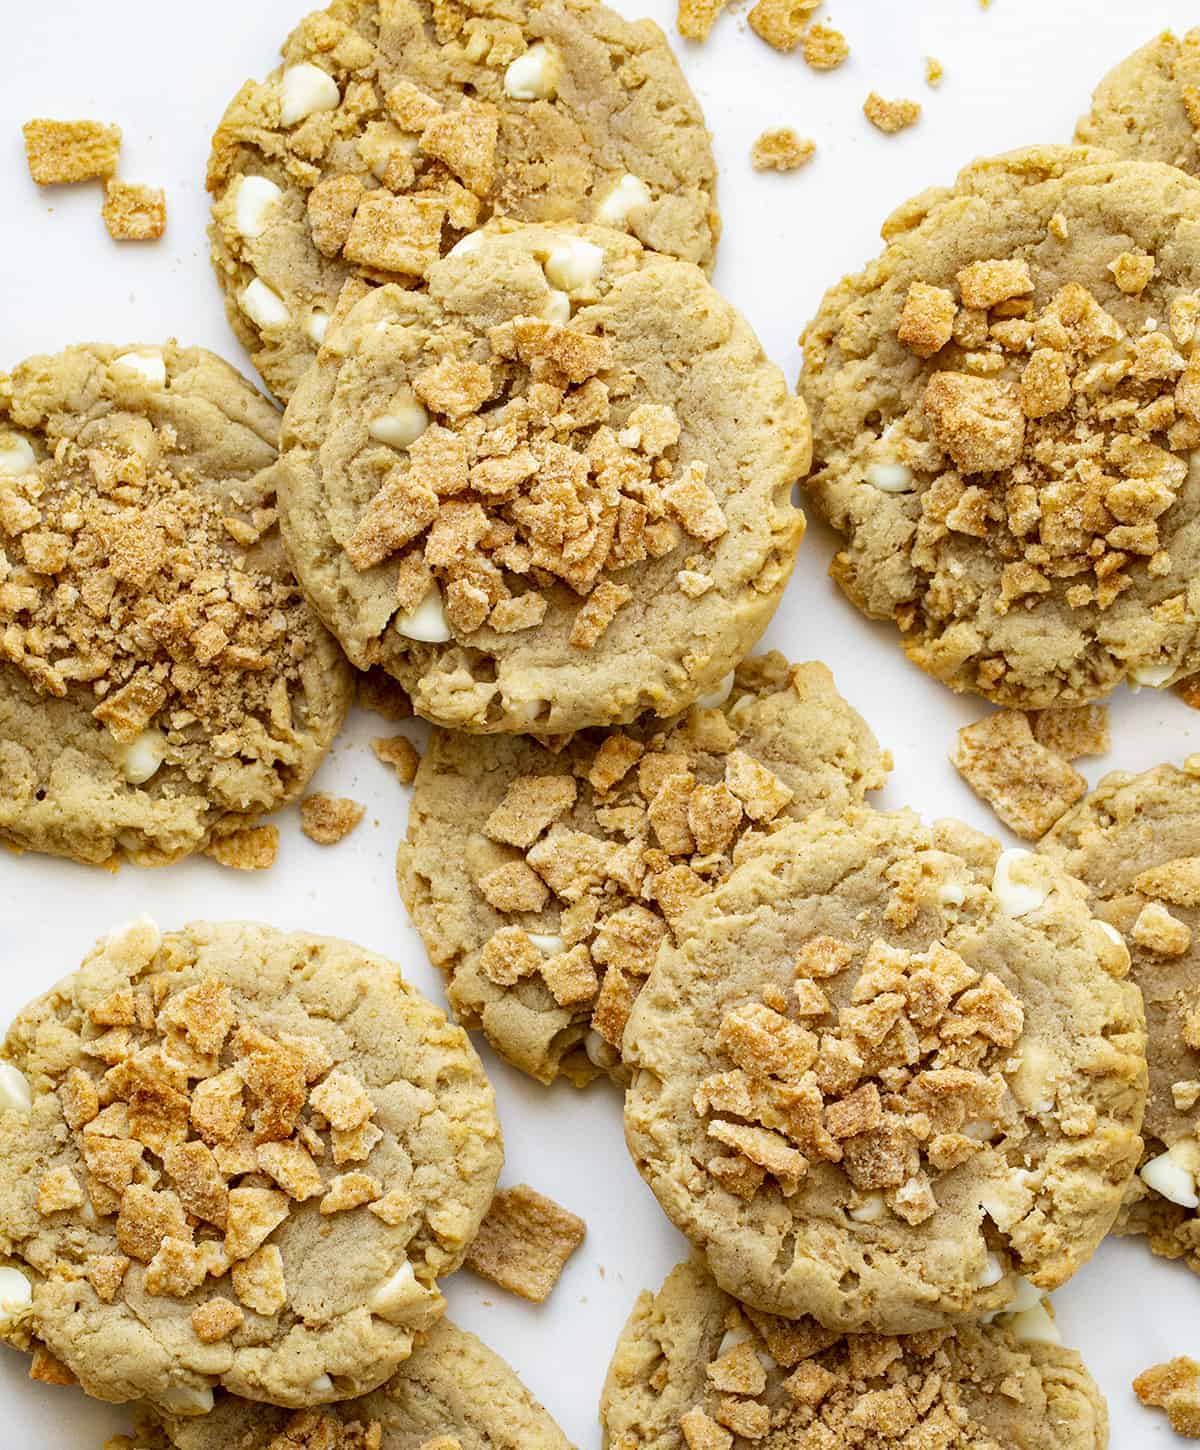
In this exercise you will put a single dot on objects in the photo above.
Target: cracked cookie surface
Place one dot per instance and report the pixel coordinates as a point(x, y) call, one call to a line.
point(233, 1157)
point(162, 680)
point(395, 127)
point(552, 491)
point(694, 1368)
point(1006, 417)
point(886, 1071)
point(544, 879)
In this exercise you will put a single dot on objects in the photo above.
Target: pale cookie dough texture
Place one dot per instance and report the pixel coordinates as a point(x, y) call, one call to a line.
point(1006, 417)
point(544, 880)
point(552, 491)
point(1148, 106)
point(693, 1368)
point(233, 1157)
point(395, 127)
point(886, 1073)
point(452, 1392)
point(162, 680)
point(1135, 841)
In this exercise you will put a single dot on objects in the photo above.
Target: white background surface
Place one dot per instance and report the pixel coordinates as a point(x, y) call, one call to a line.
point(1015, 74)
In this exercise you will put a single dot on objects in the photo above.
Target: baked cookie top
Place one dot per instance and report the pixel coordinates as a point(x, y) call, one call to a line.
point(161, 678)
point(452, 1393)
point(886, 1071)
point(235, 1157)
point(551, 491)
point(543, 878)
point(693, 1368)
point(1148, 106)
point(1006, 408)
point(1135, 842)
point(395, 127)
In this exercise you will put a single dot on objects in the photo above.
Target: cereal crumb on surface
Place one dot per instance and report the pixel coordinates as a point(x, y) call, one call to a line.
point(524, 1242)
point(1072, 731)
point(134, 213)
point(1028, 786)
point(891, 116)
point(400, 754)
point(824, 47)
point(328, 819)
point(781, 23)
point(252, 849)
point(696, 18)
point(66, 151)
point(1175, 1388)
point(48, 1370)
point(934, 71)
point(779, 148)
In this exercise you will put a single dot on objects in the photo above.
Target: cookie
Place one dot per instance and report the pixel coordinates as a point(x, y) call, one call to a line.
point(552, 491)
point(1135, 841)
point(452, 1394)
point(396, 127)
point(1144, 106)
point(544, 877)
point(886, 1072)
point(162, 681)
point(234, 1157)
point(694, 1369)
point(1005, 409)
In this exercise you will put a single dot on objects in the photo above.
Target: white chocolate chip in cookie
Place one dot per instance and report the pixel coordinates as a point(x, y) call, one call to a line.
point(427, 622)
point(629, 193)
point(304, 90)
point(534, 75)
point(403, 423)
point(263, 306)
point(547, 943)
point(16, 1297)
point(1152, 676)
point(1033, 1326)
point(466, 245)
point(17, 457)
point(1016, 898)
point(186, 1400)
point(15, 1094)
point(147, 363)
point(574, 264)
point(991, 1273)
point(870, 1209)
point(556, 308)
point(317, 326)
point(1172, 1176)
point(890, 477)
point(716, 698)
point(321, 1385)
point(256, 195)
point(402, 1294)
point(600, 1054)
point(143, 756)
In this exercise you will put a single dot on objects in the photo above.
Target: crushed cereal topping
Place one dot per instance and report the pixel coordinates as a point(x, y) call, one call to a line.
point(524, 1242)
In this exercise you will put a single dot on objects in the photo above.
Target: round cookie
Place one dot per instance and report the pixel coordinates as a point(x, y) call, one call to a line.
point(1135, 841)
point(452, 1392)
point(867, 1079)
point(691, 1361)
point(162, 681)
point(1006, 417)
point(235, 1157)
point(1140, 108)
point(395, 127)
point(543, 878)
point(552, 491)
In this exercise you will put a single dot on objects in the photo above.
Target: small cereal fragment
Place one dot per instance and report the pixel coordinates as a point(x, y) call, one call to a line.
point(598, 611)
point(702, 1433)
point(1160, 932)
point(396, 233)
point(694, 504)
point(48, 1370)
point(739, 1372)
point(780, 149)
point(394, 1207)
point(290, 1165)
point(695, 18)
point(258, 1280)
point(216, 1320)
point(571, 976)
point(890, 116)
point(465, 140)
point(1177, 881)
point(1132, 272)
point(978, 421)
point(105, 1273)
point(781, 23)
point(343, 1100)
point(134, 213)
point(614, 760)
point(747, 1418)
point(254, 1213)
point(349, 1190)
point(1073, 732)
point(65, 151)
point(509, 955)
point(934, 71)
point(765, 1148)
point(1174, 1387)
point(58, 1190)
point(1028, 786)
point(251, 849)
point(331, 207)
point(398, 752)
point(762, 794)
point(524, 1242)
point(328, 819)
point(522, 611)
point(824, 47)
point(514, 886)
point(530, 806)
point(927, 319)
point(985, 284)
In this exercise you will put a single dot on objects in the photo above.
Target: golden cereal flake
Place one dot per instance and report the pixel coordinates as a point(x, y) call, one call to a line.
point(251, 849)
point(327, 819)
point(1028, 786)
point(780, 149)
point(67, 151)
point(524, 1242)
point(824, 47)
point(1175, 1388)
point(891, 116)
point(400, 754)
point(134, 213)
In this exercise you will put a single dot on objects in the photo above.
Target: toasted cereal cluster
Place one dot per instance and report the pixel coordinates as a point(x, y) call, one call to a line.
point(316, 1430)
point(1027, 784)
point(1175, 1388)
point(60, 152)
point(781, 149)
point(524, 1242)
point(891, 116)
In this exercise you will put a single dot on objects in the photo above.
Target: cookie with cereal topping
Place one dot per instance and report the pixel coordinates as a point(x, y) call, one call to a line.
point(1148, 106)
point(1006, 416)
point(232, 1157)
point(453, 1393)
point(1135, 842)
point(543, 877)
point(886, 1072)
point(551, 491)
point(396, 127)
point(695, 1370)
point(162, 681)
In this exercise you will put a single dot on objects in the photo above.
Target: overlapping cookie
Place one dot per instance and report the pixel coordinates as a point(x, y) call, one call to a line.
point(543, 878)
point(1148, 105)
point(162, 681)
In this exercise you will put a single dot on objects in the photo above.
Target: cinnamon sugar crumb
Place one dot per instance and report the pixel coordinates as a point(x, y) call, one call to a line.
point(400, 754)
point(1028, 786)
point(251, 849)
point(696, 18)
point(781, 23)
point(134, 213)
point(890, 116)
point(524, 1242)
point(781, 149)
point(1175, 1388)
point(67, 151)
point(824, 47)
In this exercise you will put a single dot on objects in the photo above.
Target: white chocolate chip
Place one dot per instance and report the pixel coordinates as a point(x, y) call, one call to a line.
point(951, 893)
point(1171, 1178)
point(1033, 1326)
point(427, 622)
point(548, 944)
point(317, 326)
point(890, 477)
point(1032, 1080)
point(731, 1339)
point(870, 1210)
point(16, 456)
point(532, 76)
point(466, 245)
point(256, 195)
point(143, 756)
point(263, 306)
point(1026, 1297)
point(400, 1294)
point(1016, 898)
point(1155, 676)
point(186, 1400)
point(322, 1385)
point(630, 437)
point(556, 308)
point(716, 698)
point(628, 194)
point(574, 264)
point(15, 1093)
point(304, 90)
point(147, 363)
point(1114, 954)
point(402, 424)
point(16, 1297)
point(600, 1053)
point(991, 1273)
